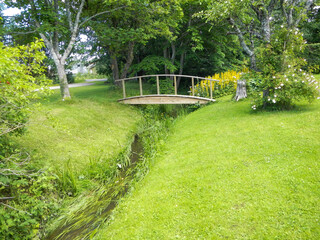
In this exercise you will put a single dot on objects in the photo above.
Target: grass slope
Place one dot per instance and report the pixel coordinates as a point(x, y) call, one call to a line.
point(89, 127)
point(227, 172)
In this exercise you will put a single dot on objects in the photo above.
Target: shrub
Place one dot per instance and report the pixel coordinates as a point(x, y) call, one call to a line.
point(20, 75)
point(166, 86)
point(280, 79)
point(227, 84)
point(22, 187)
point(282, 89)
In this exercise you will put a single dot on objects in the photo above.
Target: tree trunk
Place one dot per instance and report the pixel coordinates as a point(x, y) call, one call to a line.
point(265, 25)
point(241, 90)
point(114, 67)
point(64, 88)
point(181, 68)
point(129, 60)
point(165, 55)
point(253, 62)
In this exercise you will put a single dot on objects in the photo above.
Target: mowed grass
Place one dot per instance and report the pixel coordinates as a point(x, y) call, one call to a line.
point(229, 173)
point(90, 127)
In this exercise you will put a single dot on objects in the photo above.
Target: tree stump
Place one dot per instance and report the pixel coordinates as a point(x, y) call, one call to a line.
point(241, 90)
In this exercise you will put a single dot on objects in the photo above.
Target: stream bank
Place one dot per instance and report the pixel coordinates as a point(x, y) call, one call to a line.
point(84, 220)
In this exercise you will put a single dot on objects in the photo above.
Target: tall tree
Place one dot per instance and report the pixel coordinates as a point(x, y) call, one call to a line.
point(122, 31)
point(58, 23)
point(253, 20)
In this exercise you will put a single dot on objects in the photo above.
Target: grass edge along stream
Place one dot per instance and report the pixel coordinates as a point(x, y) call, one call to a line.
point(132, 165)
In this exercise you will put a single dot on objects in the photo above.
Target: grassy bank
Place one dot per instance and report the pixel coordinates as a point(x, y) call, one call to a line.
point(74, 135)
point(228, 172)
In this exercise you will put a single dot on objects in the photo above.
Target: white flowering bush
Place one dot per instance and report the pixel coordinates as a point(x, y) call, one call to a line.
point(280, 81)
point(283, 90)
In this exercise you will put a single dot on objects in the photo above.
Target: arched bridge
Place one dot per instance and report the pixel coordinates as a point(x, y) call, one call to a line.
point(165, 98)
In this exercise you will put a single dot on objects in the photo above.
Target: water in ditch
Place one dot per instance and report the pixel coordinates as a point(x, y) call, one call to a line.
point(87, 221)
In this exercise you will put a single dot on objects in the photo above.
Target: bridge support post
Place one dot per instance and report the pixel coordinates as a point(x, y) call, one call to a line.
point(123, 89)
point(140, 85)
point(210, 89)
point(175, 86)
point(192, 80)
point(158, 86)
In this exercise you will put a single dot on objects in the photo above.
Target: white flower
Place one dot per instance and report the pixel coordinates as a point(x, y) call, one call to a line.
point(289, 66)
point(274, 77)
point(302, 81)
point(275, 95)
point(281, 84)
point(274, 101)
point(317, 87)
point(287, 79)
point(293, 75)
point(269, 99)
point(300, 70)
point(281, 26)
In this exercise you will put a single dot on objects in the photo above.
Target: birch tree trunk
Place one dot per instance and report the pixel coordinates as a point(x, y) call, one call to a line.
point(55, 38)
point(64, 88)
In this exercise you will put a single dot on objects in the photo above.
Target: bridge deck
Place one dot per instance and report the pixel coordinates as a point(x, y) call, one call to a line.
point(165, 99)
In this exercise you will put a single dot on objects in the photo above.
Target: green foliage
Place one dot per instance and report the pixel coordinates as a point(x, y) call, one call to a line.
point(166, 86)
point(33, 197)
point(280, 80)
point(20, 75)
point(312, 55)
point(152, 64)
point(130, 25)
point(311, 28)
point(22, 187)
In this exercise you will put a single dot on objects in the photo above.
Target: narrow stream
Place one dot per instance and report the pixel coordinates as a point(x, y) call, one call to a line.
point(85, 224)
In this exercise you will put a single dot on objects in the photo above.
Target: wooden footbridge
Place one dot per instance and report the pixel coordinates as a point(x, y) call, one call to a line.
point(166, 98)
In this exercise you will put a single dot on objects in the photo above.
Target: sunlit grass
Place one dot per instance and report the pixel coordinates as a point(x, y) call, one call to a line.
point(228, 172)
point(87, 128)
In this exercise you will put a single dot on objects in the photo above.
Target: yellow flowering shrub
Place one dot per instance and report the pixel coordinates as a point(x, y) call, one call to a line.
point(227, 84)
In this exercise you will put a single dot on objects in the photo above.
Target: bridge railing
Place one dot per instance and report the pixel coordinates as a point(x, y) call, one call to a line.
point(174, 76)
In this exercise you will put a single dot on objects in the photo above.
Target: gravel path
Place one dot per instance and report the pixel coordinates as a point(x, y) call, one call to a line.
point(87, 83)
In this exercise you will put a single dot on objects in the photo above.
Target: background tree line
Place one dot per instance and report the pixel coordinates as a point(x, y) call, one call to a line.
point(128, 37)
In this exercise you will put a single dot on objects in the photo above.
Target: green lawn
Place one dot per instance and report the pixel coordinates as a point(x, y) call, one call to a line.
point(89, 127)
point(228, 172)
